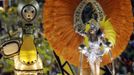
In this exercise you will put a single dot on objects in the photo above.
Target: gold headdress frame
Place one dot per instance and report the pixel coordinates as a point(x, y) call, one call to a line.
point(79, 26)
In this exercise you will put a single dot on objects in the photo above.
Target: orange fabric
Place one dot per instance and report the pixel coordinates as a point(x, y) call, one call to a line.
point(58, 25)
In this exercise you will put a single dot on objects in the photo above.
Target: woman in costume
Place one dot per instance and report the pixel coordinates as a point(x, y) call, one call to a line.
point(64, 35)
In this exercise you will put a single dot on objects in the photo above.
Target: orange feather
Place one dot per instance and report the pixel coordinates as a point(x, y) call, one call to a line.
point(58, 25)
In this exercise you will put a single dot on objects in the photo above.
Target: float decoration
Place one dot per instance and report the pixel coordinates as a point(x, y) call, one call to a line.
point(59, 27)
